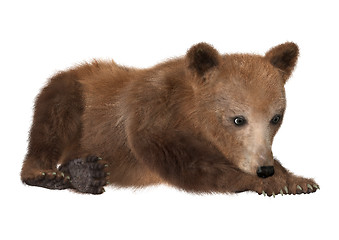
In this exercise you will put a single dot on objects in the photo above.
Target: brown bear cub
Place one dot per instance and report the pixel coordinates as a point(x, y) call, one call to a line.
point(203, 123)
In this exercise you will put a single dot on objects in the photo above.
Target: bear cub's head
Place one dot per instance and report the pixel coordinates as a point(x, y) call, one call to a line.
point(240, 101)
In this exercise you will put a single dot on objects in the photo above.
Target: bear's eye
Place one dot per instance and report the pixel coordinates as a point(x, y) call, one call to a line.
point(276, 119)
point(239, 121)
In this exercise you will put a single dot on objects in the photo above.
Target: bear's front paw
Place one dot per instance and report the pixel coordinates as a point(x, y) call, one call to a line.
point(294, 185)
point(88, 175)
point(299, 185)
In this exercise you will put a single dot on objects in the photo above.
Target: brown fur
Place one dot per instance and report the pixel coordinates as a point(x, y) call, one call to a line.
point(168, 124)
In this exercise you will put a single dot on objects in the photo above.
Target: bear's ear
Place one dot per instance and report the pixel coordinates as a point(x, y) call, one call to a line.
point(284, 57)
point(201, 58)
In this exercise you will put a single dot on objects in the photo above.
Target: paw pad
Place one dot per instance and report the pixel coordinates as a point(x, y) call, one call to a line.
point(89, 175)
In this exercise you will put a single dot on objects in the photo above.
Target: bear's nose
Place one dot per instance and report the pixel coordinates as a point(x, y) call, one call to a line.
point(265, 171)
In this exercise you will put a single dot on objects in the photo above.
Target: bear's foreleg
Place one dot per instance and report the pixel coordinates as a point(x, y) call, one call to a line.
point(189, 163)
point(196, 166)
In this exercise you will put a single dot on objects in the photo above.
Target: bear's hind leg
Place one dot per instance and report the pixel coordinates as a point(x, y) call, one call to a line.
point(40, 165)
point(56, 126)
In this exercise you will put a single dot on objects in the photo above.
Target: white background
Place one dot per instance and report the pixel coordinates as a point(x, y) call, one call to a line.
point(38, 38)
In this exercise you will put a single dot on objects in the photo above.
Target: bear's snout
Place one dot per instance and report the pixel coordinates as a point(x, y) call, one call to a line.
point(265, 171)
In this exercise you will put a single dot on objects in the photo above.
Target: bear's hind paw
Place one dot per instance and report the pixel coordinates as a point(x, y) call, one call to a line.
point(88, 175)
